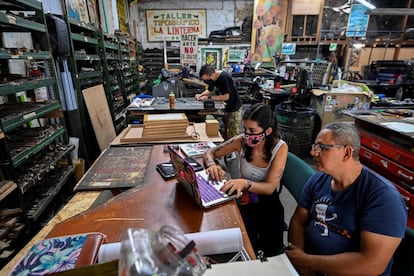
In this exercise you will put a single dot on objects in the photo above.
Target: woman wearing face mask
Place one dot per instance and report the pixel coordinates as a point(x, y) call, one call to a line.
point(262, 161)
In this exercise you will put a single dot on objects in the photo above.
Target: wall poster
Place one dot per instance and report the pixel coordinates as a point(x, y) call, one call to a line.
point(211, 56)
point(77, 9)
point(269, 19)
point(169, 25)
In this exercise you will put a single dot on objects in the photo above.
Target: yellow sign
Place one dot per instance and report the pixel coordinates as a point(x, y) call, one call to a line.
point(169, 25)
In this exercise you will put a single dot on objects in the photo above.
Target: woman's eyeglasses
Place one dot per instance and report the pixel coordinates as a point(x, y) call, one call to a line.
point(319, 147)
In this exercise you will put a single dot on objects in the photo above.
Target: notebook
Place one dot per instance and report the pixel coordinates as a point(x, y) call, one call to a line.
point(205, 192)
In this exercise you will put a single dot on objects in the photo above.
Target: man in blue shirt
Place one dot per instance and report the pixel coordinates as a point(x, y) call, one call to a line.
point(349, 220)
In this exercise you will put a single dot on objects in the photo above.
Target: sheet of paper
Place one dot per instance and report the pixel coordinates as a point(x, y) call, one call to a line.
point(402, 127)
point(278, 265)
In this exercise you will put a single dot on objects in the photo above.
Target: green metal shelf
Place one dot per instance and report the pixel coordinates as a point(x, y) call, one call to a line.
point(27, 56)
point(89, 75)
point(23, 85)
point(44, 168)
point(86, 57)
point(28, 116)
point(112, 46)
point(13, 20)
point(29, 4)
point(51, 193)
point(84, 38)
point(81, 24)
point(20, 158)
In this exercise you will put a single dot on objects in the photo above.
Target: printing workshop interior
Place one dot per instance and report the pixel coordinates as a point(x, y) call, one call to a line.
point(86, 83)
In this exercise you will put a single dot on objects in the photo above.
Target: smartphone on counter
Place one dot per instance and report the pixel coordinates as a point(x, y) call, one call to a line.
point(166, 169)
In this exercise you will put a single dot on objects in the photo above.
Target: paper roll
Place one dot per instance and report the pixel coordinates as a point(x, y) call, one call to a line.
point(218, 241)
point(208, 243)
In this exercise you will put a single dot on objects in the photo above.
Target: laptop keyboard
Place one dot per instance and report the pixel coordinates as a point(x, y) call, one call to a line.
point(209, 190)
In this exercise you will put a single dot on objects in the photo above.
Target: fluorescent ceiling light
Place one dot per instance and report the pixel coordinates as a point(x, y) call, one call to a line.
point(358, 45)
point(367, 4)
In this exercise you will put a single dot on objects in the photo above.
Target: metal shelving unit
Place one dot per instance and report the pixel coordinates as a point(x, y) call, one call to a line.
point(85, 65)
point(32, 129)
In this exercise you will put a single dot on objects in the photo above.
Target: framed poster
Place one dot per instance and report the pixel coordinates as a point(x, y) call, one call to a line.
point(92, 12)
point(78, 10)
point(169, 25)
point(236, 55)
point(268, 29)
point(357, 21)
point(211, 56)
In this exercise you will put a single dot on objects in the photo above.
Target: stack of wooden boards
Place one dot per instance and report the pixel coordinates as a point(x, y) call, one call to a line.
point(169, 125)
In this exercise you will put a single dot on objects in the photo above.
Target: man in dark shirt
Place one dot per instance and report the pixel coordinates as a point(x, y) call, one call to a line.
point(227, 92)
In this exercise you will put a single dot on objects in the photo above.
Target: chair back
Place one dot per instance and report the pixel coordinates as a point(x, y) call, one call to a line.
point(403, 257)
point(295, 175)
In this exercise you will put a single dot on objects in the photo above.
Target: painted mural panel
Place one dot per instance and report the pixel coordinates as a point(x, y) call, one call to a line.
point(269, 19)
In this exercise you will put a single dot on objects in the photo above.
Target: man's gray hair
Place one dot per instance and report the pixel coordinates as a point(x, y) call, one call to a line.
point(345, 133)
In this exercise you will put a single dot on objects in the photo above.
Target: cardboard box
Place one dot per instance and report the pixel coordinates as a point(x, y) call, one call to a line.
point(329, 105)
point(212, 127)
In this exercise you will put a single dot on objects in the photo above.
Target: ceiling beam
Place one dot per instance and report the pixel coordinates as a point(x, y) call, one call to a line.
point(393, 11)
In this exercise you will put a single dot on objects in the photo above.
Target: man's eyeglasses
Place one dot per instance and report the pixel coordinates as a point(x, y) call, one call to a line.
point(319, 147)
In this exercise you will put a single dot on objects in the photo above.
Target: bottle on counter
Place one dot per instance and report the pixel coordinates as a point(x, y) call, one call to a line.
point(171, 97)
point(399, 94)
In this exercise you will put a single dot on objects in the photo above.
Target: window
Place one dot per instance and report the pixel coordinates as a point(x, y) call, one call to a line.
point(304, 25)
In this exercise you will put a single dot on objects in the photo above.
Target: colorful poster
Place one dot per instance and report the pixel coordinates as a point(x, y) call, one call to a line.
point(357, 21)
point(211, 56)
point(269, 19)
point(169, 25)
point(92, 11)
point(77, 9)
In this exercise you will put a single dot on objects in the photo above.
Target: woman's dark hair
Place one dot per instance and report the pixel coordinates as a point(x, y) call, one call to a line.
point(265, 118)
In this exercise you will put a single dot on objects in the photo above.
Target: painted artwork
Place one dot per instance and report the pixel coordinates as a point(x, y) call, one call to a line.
point(92, 11)
point(72, 6)
point(269, 19)
point(211, 56)
point(78, 10)
point(235, 55)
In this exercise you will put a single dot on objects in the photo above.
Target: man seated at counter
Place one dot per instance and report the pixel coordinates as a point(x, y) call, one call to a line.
point(349, 220)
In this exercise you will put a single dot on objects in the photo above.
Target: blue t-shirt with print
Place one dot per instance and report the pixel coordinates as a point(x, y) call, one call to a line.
point(372, 204)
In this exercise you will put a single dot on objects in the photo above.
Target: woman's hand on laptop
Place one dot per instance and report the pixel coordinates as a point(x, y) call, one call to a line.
point(215, 172)
point(234, 187)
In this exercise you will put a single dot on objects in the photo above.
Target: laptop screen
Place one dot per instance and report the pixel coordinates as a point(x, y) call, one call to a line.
point(185, 174)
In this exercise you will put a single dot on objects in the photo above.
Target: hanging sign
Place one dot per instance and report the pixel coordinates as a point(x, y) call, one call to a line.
point(188, 48)
point(169, 25)
point(288, 48)
point(332, 47)
point(357, 21)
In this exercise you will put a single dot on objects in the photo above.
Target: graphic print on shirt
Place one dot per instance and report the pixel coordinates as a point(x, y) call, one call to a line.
point(321, 207)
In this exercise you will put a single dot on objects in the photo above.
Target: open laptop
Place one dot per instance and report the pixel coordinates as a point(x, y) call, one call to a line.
point(205, 192)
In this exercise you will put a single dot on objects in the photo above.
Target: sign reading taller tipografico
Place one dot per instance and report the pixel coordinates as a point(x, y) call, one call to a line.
point(169, 25)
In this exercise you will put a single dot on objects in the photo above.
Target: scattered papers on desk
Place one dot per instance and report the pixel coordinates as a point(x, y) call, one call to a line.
point(142, 101)
point(196, 149)
point(207, 243)
point(278, 265)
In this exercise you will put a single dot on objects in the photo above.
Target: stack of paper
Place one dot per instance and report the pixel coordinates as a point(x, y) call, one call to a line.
point(165, 125)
